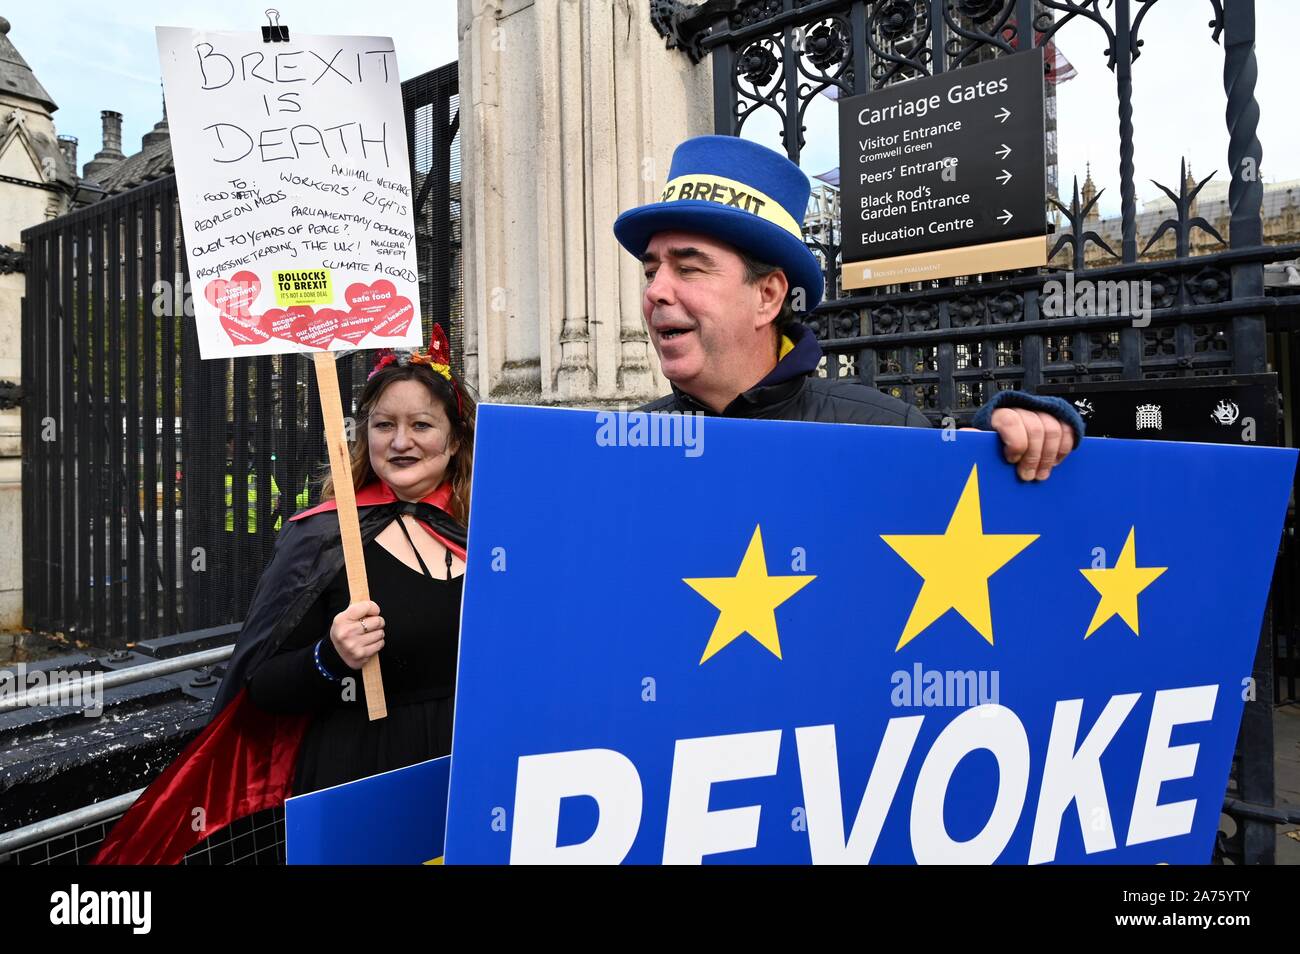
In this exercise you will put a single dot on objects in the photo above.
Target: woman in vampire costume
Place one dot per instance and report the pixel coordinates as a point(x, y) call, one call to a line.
point(290, 716)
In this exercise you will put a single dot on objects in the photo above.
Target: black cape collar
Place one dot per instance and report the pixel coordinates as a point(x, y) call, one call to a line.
point(308, 555)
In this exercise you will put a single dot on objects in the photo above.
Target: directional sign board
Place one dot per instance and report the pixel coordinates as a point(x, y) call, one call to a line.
point(945, 175)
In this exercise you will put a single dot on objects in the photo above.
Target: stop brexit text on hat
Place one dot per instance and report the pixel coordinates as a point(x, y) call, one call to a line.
point(741, 193)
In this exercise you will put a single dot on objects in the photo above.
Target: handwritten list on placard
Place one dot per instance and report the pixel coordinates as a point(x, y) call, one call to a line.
point(295, 192)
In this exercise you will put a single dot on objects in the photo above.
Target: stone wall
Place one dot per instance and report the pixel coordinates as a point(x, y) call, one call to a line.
point(569, 113)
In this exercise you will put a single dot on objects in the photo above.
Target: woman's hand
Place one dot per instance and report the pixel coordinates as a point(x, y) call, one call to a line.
point(358, 633)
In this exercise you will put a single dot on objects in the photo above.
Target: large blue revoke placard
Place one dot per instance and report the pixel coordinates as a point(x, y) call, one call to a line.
point(690, 640)
point(394, 818)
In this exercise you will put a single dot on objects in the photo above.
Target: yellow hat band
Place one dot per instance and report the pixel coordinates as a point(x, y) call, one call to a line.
point(729, 192)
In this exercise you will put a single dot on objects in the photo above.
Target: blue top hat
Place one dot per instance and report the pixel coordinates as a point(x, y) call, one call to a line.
point(738, 192)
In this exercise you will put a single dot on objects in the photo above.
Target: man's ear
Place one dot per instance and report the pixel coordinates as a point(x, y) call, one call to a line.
point(772, 289)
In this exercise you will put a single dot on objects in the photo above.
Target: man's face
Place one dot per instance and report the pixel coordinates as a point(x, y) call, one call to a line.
point(708, 326)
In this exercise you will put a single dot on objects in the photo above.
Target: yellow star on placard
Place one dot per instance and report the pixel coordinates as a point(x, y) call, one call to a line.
point(956, 565)
point(747, 601)
point(1119, 587)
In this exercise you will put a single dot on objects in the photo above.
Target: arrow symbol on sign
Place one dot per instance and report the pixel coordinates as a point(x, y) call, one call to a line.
point(1003, 152)
point(1003, 114)
point(1004, 178)
point(1005, 217)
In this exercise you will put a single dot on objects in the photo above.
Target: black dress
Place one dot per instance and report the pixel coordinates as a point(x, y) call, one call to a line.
point(418, 662)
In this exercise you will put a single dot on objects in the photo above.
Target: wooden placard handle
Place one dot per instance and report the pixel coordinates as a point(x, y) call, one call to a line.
point(327, 381)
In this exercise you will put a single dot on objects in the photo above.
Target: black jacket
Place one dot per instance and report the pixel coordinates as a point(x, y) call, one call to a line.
point(244, 760)
point(308, 555)
point(790, 392)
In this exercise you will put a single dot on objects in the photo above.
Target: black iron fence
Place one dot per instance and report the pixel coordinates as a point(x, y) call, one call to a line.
point(947, 346)
point(153, 481)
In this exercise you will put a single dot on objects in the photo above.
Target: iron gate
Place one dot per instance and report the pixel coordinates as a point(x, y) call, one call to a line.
point(947, 346)
point(153, 481)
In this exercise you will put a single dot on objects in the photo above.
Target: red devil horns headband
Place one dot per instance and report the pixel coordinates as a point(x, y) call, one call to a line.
point(437, 358)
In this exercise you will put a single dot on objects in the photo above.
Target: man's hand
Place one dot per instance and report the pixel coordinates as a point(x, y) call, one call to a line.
point(1032, 440)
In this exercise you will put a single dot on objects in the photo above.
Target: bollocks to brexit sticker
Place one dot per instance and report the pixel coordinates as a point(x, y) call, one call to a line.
point(303, 286)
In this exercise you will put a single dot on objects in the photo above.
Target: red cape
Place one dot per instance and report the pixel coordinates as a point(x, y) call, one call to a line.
point(242, 762)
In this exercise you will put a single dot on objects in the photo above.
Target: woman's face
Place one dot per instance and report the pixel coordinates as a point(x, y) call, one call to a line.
point(411, 444)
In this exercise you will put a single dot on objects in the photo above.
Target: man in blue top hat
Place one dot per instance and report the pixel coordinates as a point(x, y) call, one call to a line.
point(726, 268)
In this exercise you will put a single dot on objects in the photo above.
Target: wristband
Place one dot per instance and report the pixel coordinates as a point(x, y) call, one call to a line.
point(1059, 408)
point(320, 666)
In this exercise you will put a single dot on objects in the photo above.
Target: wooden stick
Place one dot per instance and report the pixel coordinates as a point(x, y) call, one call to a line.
point(327, 381)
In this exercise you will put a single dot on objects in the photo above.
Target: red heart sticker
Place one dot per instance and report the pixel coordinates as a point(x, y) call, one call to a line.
point(278, 323)
point(234, 296)
point(391, 313)
point(396, 319)
point(373, 299)
point(354, 326)
point(243, 331)
point(315, 330)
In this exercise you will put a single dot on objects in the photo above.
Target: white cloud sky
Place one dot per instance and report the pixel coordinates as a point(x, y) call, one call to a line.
point(1178, 100)
point(95, 56)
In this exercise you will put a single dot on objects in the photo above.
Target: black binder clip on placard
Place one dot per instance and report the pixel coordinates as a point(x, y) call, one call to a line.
point(273, 32)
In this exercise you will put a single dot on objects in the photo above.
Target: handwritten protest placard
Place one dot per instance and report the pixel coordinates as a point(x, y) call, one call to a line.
point(295, 193)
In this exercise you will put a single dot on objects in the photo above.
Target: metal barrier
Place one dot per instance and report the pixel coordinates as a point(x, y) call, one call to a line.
point(121, 677)
point(48, 829)
point(254, 839)
point(74, 837)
